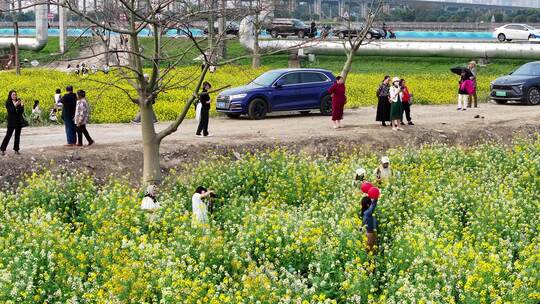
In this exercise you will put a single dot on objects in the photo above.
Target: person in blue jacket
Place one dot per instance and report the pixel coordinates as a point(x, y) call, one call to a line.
point(369, 203)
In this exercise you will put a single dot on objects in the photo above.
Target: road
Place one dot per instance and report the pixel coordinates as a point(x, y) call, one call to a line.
point(294, 127)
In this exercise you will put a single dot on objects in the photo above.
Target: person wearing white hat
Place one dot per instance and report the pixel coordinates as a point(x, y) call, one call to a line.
point(359, 176)
point(396, 108)
point(383, 173)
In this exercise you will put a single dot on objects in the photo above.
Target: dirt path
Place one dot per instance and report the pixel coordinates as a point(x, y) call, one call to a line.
point(117, 149)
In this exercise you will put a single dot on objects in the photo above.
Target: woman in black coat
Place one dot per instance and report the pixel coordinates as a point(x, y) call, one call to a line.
point(383, 106)
point(15, 110)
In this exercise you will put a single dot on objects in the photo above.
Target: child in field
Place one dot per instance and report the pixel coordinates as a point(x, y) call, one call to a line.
point(359, 176)
point(369, 203)
point(36, 112)
point(383, 173)
point(149, 202)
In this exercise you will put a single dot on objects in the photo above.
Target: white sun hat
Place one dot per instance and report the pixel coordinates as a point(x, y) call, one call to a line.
point(385, 160)
point(360, 171)
point(396, 79)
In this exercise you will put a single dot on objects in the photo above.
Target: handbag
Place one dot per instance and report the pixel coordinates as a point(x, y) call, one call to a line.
point(24, 122)
point(198, 109)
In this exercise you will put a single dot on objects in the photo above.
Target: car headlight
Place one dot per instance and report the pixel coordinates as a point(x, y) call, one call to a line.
point(491, 85)
point(237, 96)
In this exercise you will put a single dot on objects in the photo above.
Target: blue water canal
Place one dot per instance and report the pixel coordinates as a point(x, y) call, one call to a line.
point(75, 32)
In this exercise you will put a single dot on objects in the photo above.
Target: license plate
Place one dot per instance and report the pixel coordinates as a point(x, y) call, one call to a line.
point(500, 93)
point(220, 105)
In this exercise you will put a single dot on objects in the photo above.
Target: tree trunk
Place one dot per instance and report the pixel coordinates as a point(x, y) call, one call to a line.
point(348, 64)
point(222, 30)
point(256, 59)
point(211, 28)
point(151, 165)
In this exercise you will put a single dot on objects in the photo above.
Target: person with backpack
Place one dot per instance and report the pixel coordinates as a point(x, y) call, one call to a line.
point(383, 105)
point(82, 115)
point(406, 102)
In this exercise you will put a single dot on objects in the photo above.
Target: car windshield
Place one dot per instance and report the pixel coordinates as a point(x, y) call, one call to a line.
point(299, 23)
point(266, 79)
point(529, 69)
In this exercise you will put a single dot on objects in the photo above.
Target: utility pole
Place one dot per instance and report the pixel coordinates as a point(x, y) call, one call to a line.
point(17, 62)
point(62, 27)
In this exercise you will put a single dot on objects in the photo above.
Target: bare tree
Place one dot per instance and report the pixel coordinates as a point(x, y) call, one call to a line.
point(354, 42)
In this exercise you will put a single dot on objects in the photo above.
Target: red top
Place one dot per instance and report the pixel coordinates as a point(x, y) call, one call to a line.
point(406, 95)
point(338, 92)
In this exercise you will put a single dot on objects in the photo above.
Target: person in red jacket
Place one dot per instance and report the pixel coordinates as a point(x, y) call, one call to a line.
point(406, 101)
point(337, 91)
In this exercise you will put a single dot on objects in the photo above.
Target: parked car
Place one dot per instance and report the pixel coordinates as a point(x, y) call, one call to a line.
point(511, 32)
point(279, 90)
point(523, 85)
point(287, 27)
point(343, 32)
point(231, 28)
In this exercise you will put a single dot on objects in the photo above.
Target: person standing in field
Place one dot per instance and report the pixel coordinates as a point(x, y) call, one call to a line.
point(383, 105)
point(369, 203)
point(337, 91)
point(204, 99)
point(15, 122)
point(473, 98)
point(406, 103)
point(149, 202)
point(383, 173)
point(69, 103)
point(82, 115)
point(396, 109)
point(199, 207)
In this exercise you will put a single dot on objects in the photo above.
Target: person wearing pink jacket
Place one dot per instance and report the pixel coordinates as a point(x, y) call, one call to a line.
point(466, 88)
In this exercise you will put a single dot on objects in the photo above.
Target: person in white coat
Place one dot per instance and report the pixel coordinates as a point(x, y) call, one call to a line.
point(149, 202)
point(199, 207)
point(383, 173)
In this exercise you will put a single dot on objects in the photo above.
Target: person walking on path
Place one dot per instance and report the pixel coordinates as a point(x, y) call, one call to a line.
point(396, 109)
point(383, 105)
point(473, 98)
point(406, 102)
point(82, 115)
point(69, 103)
point(337, 91)
point(15, 122)
point(204, 99)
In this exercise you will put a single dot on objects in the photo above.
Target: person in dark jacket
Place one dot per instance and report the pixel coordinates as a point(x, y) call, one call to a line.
point(69, 104)
point(383, 106)
point(15, 111)
point(205, 101)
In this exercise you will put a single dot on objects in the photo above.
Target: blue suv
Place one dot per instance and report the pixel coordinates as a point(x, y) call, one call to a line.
point(279, 90)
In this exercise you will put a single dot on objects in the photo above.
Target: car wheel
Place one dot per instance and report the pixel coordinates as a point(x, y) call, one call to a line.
point(341, 35)
point(499, 101)
point(501, 37)
point(369, 36)
point(533, 96)
point(274, 34)
point(326, 105)
point(257, 109)
point(233, 116)
point(304, 113)
point(301, 34)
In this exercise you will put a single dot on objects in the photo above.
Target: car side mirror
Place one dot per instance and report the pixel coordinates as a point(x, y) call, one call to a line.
point(511, 73)
point(279, 84)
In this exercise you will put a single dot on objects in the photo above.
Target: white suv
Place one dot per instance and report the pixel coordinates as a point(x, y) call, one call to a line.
point(511, 32)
